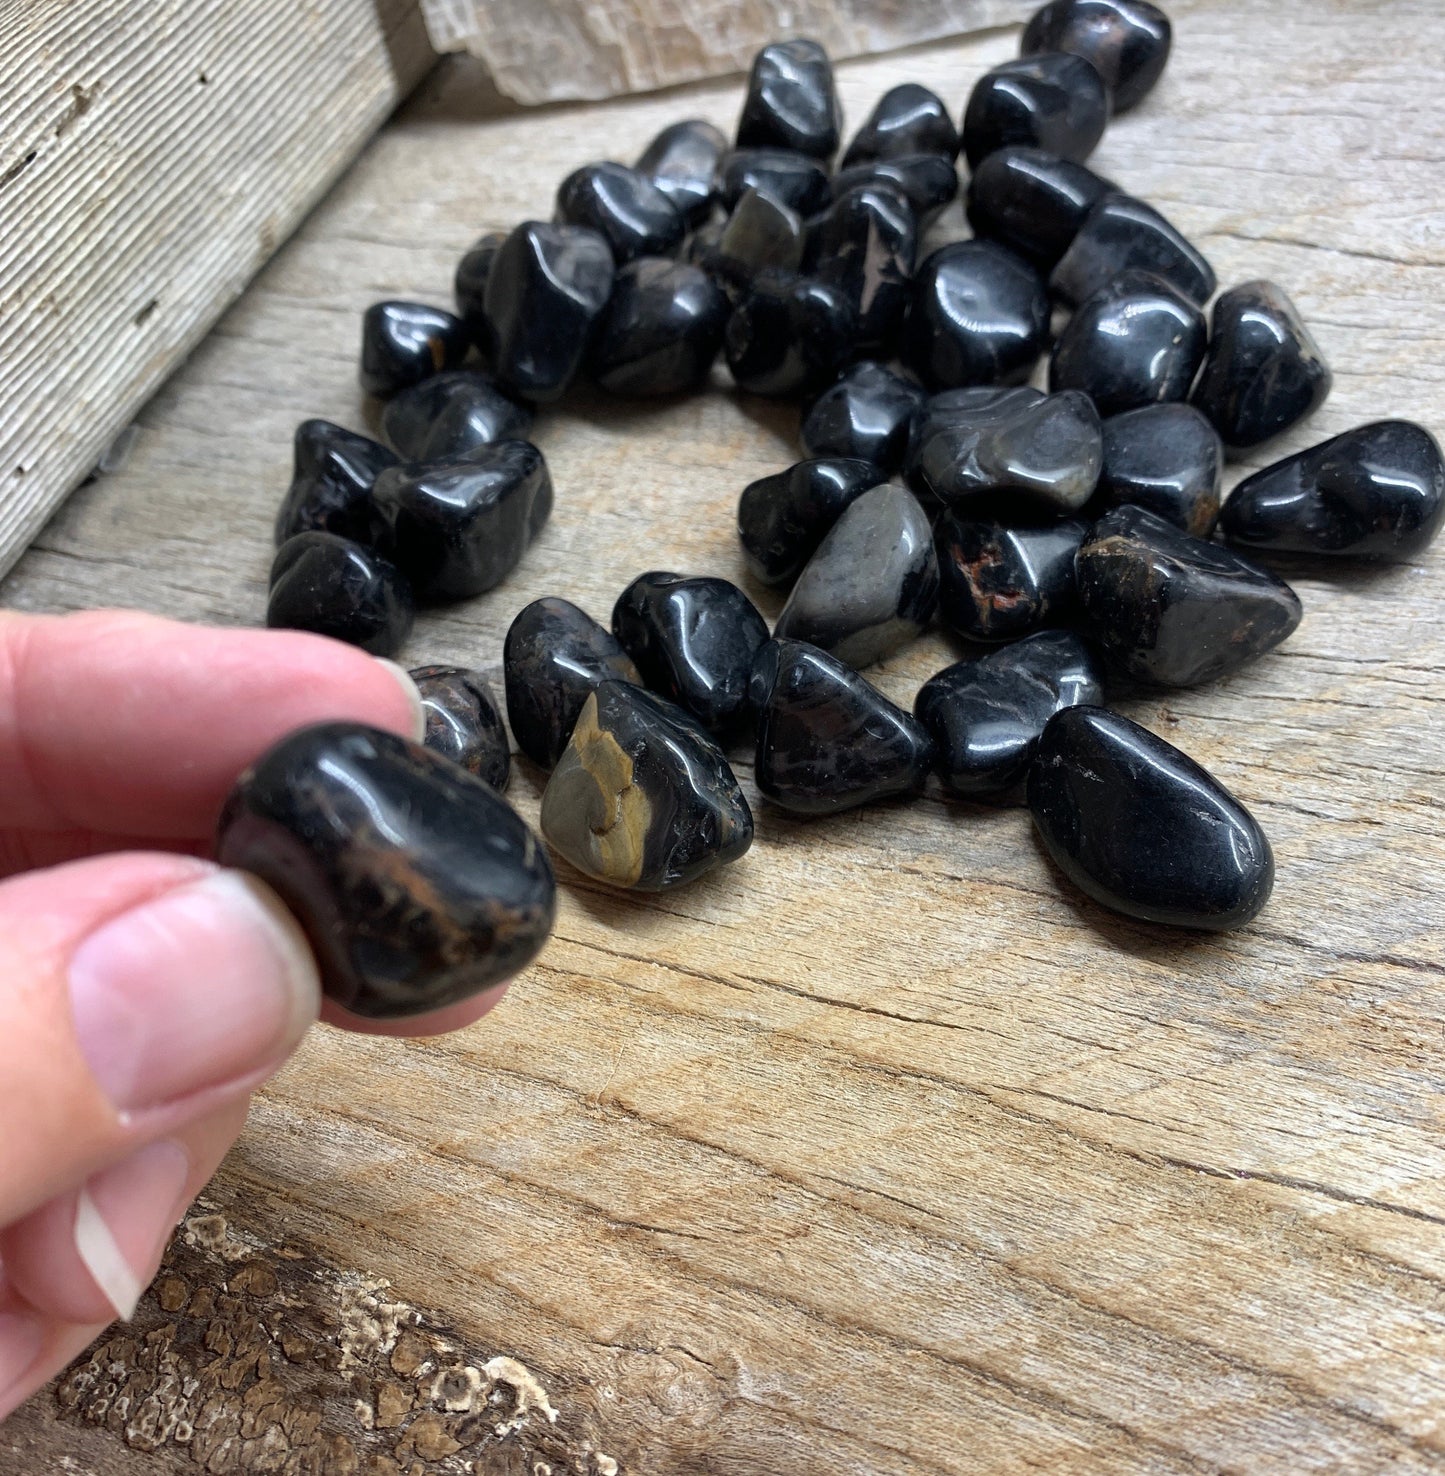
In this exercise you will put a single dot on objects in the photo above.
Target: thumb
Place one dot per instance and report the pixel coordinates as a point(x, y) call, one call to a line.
point(137, 994)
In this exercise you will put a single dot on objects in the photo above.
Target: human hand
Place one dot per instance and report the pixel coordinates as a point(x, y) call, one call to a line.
point(144, 991)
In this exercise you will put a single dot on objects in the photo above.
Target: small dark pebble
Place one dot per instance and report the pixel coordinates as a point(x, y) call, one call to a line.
point(682, 161)
point(1126, 40)
point(661, 331)
point(451, 414)
point(866, 415)
point(403, 343)
point(790, 102)
point(789, 335)
point(927, 182)
point(999, 581)
point(907, 119)
point(1120, 232)
point(333, 472)
point(1167, 458)
point(623, 205)
point(1032, 201)
point(783, 518)
point(864, 244)
point(463, 722)
point(791, 178)
point(331, 586)
point(1051, 101)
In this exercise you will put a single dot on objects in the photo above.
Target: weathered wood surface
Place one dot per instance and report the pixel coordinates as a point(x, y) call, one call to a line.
point(152, 157)
point(880, 1153)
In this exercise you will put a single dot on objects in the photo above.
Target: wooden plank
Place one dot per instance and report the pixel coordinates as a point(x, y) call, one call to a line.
point(880, 1153)
point(154, 157)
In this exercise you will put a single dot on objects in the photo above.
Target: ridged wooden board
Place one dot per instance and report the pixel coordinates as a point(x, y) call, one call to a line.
point(882, 1152)
point(152, 157)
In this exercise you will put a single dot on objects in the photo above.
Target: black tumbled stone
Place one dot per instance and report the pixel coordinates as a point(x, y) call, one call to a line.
point(403, 343)
point(791, 178)
point(1051, 101)
point(661, 331)
point(1126, 40)
point(1142, 828)
point(331, 586)
point(623, 205)
point(416, 885)
point(1032, 201)
point(789, 335)
point(864, 244)
point(1120, 233)
point(761, 235)
point(999, 581)
point(791, 102)
point(333, 473)
point(682, 161)
point(865, 415)
point(1175, 610)
point(1167, 458)
point(450, 414)
point(926, 182)
point(463, 722)
point(907, 119)
point(469, 286)
point(783, 518)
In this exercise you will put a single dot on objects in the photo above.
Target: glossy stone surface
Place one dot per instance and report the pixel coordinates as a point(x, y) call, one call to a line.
point(927, 182)
point(761, 235)
point(999, 581)
point(1374, 492)
point(403, 343)
point(1050, 101)
point(864, 244)
point(469, 286)
point(623, 205)
point(662, 329)
point(789, 335)
point(1263, 371)
point(1142, 828)
point(1120, 233)
point(791, 178)
point(866, 415)
point(414, 882)
point(1175, 610)
point(463, 722)
point(1167, 458)
point(1136, 341)
point(1032, 201)
point(790, 102)
point(554, 655)
point(1126, 40)
point(333, 472)
point(450, 414)
point(546, 289)
point(783, 518)
point(986, 715)
point(872, 585)
point(1015, 448)
point(827, 739)
point(907, 119)
point(682, 161)
point(331, 586)
point(459, 527)
point(980, 315)
point(642, 797)
point(693, 640)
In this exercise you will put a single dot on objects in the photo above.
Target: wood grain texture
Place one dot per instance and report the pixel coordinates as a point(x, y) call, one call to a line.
point(881, 1152)
point(153, 157)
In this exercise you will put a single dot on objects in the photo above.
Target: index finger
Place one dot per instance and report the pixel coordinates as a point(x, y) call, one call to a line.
point(132, 725)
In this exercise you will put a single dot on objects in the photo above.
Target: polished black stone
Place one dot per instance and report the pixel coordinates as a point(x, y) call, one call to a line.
point(827, 739)
point(1032, 201)
point(450, 414)
point(865, 415)
point(662, 329)
point(1175, 610)
point(761, 235)
point(546, 289)
point(415, 883)
point(783, 518)
point(459, 527)
point(694, 640)
point(623, 205)
point(682, 161)
point(927, 182)
point(327, 584)
point(1136, 341)
point(986, 714)
point(791, 102)
point(907, 119)
point(463, 722)
point(1120, 232)
point(791, 178)
point(789, 335)
point(1263, 371)
point(1013, 449)
point(1051, 101)
point(1142, 828)
point(998, 581)
point(469, 286)
point(642, 797)
point(1375, 492)
point(554, 655)
point(872, 584)
point(865, 243)
point(1167, 458)
point(333, 472)
point(979, 315)
point(403, 343)
point(1126, 40)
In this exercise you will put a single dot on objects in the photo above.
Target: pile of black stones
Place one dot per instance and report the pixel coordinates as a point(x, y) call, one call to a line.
point(1075, 531)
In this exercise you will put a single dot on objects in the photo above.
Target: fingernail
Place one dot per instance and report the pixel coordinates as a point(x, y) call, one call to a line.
point(413, 695)
point(192, 989)
point(21, 1338)
point(123, 1218)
